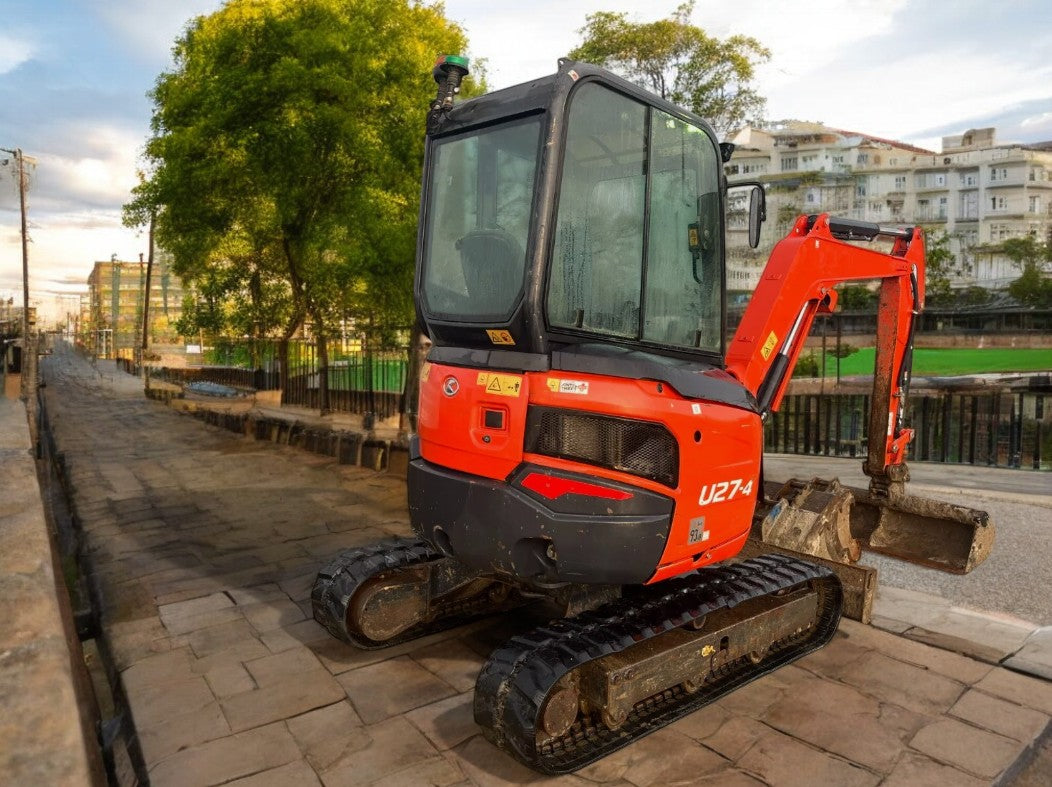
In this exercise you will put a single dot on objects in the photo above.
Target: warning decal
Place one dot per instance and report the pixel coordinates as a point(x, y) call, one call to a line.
point(768, 346)
point(579, 387)
point(500, 337)
point(500, 384)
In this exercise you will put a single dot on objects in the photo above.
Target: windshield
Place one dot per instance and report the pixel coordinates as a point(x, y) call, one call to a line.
point(478, 221)
point(637, 246)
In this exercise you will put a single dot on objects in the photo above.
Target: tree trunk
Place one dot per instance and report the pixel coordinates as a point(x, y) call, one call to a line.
point(323, 368)
point(410, 402)
point(283, 368)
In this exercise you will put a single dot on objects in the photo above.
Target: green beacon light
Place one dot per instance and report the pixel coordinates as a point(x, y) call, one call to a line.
point(449, 72)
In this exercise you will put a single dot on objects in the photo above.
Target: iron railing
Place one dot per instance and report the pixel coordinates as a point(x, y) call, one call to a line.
point(997, 429)
point(363, 382)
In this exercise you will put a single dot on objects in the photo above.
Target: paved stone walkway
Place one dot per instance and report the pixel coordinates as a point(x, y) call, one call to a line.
point(42, 737)
point(206, 545)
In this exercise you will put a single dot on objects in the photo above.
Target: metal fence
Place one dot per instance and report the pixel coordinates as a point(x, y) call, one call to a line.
point(256, 379)
point(995, 429)
point(360, 382)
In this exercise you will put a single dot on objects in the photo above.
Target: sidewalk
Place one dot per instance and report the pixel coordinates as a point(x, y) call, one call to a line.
point(42, 740)
point(206, 543)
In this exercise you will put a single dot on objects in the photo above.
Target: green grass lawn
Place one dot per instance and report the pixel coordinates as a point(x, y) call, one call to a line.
point(950, 362)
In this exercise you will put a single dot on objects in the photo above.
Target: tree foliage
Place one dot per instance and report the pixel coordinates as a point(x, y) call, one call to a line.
point(856, 297)
point(939, 265)
point(1033, 287)
point(680, 62)
point(284, 162)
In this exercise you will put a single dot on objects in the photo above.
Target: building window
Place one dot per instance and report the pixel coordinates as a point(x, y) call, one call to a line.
point(998, 173)
point(1035, 204)
point(900, 183)
point(967, 178)
point(788, 163)
point(998, 203)
point(863, 158)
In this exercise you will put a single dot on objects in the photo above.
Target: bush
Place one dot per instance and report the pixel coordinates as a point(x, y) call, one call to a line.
point(806, 365)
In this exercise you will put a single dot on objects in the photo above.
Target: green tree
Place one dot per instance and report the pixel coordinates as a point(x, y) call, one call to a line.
point(939, 265)
point(1033, 287)
point(680, 62)
point(856, 297)
point(286, 150)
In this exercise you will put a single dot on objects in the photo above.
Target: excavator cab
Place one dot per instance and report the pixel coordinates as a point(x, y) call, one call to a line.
point(575, 210)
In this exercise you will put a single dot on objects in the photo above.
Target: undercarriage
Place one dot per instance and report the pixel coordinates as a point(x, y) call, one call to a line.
point(566, 693)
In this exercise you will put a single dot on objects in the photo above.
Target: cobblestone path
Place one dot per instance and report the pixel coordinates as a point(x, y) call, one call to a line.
point(206, 544)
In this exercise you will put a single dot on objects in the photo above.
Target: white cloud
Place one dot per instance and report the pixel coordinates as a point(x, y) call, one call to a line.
point(103, 175)
point(64, 246)
point(150, 27)
point(13, 53)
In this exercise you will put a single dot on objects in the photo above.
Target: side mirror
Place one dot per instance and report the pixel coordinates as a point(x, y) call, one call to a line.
point(757, 213)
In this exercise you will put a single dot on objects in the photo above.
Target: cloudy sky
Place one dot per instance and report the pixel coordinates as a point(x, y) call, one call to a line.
point(74, 76)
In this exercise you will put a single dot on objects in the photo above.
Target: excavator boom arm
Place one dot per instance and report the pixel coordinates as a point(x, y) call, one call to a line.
point(798, 283)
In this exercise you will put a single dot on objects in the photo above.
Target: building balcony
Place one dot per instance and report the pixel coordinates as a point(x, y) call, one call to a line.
point(930, 216)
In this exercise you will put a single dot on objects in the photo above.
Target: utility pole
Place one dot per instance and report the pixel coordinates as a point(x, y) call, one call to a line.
point(146, 300)
point(26, 366)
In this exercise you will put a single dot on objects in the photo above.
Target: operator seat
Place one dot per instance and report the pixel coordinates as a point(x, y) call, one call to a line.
point(492, 261)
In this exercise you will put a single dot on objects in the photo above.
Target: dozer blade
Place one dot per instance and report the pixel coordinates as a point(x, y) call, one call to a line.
point(915, 529)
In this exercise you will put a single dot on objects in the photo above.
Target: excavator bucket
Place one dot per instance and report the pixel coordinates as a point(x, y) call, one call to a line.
point(834, 525)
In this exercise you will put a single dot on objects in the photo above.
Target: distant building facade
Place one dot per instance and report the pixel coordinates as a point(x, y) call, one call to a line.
point(112, 324)
point(978, 192)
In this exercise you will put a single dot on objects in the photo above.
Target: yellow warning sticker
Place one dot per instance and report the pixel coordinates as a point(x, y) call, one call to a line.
point(500, 384)
point(500, 337)
point(425, 372)
point(768, 346)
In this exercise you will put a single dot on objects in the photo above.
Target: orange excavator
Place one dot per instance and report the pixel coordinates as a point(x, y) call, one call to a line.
point(589, 435)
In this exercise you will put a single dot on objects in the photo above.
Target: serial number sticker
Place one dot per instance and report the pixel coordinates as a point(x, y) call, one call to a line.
point(425, 371)
point(579, 387)
point(698, 533)
point(695, 409)
point(500, 384)
point(500, 337)
point(768, 346)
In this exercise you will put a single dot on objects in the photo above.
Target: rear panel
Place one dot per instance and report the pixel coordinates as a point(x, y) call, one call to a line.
point(635, 433)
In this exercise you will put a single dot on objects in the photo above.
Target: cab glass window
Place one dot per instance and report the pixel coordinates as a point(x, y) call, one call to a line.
point(478, 218)
point(637, 240)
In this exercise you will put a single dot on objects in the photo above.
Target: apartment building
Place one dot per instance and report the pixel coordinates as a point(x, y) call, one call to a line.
point(979, 192)
point(112, 326)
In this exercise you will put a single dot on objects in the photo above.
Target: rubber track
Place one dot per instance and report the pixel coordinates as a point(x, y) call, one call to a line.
point(514, 683)
point(342, 576)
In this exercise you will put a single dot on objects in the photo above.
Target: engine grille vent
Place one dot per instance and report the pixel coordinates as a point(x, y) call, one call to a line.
point(640, 448)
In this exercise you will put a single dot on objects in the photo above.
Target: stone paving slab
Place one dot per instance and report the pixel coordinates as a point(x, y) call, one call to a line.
point(231, 682)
